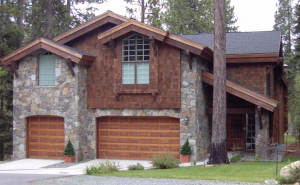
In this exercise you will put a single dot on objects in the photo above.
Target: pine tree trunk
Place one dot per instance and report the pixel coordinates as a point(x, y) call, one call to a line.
point(218, 153)
point(33, 26)
point(48, 25)
point(143, 12)
point(20, 18)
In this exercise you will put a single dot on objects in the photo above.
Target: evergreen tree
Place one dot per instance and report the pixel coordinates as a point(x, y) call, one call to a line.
point(284, 21)
point(192, 16)
point(10, 38)
point(149, 11)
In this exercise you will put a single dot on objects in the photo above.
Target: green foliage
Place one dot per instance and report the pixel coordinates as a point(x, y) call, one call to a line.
point(188, 17)
point(164, 161)
point(137, 166)
point(10, 36)
point(193, 163)
point(254, 171)
point(102, 168)
point(186, 149)
point(284, 21)
point(69, 150)
point(235, 158)
point(257, 157)
point(285, 180)
point(149, 11)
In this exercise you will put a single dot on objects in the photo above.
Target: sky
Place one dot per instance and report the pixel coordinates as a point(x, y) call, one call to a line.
point(253, 15)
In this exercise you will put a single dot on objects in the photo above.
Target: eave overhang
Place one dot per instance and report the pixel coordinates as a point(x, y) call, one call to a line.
point(158, 34)
point(51, 46)
point(244, 93)
point(107, 17)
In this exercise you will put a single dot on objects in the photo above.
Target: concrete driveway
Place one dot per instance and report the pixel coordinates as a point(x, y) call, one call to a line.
point(27, 164)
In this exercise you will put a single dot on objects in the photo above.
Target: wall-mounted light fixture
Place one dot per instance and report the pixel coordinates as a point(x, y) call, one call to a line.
point(186, 120)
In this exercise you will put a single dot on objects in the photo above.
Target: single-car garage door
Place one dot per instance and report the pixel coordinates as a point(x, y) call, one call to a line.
point(45, 137)
point(137, 137)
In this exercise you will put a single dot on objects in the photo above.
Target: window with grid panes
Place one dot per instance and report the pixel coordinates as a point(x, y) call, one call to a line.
point(135, 60)
point(47, 69)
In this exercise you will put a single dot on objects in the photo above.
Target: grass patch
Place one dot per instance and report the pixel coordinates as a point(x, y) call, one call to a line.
point(289, 139)
point(257, 171)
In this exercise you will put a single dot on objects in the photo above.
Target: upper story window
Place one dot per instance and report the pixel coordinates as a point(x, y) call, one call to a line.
point(47, 69)
point(135, 60)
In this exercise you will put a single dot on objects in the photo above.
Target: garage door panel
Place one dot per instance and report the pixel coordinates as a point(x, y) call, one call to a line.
point(137, 138)
point(46, 137)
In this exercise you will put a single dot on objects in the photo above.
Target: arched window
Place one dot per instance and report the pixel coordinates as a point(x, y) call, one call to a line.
point(47, 69)
point(135, 60)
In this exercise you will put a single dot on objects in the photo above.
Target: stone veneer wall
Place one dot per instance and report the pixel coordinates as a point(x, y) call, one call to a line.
point(68, 99)
point(30, 99)
point(262, 135)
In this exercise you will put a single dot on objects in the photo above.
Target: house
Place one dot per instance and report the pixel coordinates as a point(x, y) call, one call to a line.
point(118, 88)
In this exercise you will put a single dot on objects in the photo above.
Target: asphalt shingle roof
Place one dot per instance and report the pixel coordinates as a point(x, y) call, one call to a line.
point(243, 42)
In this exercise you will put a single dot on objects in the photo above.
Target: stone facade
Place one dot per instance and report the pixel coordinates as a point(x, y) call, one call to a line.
point(67, 99)
point(63, 99)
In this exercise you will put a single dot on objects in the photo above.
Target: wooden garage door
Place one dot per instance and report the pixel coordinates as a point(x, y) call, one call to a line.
point(137, 138)
point(45, 137)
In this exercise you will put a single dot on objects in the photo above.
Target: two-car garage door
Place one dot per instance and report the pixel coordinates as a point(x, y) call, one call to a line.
point(45, 137)
point(137, 137)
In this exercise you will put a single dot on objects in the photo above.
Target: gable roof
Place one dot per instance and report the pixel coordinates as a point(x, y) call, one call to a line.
point(158, 34)
point(52, 46)
point(244, 93)
point(243, 42)
point(96, 22)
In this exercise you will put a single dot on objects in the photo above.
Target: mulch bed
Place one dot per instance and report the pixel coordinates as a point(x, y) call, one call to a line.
point(293, 150)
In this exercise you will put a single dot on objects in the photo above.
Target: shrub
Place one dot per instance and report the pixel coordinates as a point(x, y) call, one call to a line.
point(137, 166)
point(186, 149)
point(235, 158)
point(257, 157)
point(69, 150)
point(102, 168)
point(285, 180)
point(164, 161)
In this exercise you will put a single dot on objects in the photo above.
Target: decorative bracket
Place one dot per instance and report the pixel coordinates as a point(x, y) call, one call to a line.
point(270, 67)
point(152, 41)
point(117, 95)
point(189, 58)
point(259, 117)
point(13, 66)
point(113, 44)
point(71, 65)
point(153, 95)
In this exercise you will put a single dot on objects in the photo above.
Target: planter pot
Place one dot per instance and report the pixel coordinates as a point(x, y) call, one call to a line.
point(185, 158)
point(69, 159)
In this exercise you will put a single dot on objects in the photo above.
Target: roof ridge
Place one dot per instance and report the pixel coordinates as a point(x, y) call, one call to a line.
point(234, 32)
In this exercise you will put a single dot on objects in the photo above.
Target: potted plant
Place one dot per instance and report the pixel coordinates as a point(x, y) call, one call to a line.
point(185, 152)
point(69, 152)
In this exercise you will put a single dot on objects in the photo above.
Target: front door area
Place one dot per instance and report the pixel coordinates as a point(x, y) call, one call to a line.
point(240, 132)
point(235, 132)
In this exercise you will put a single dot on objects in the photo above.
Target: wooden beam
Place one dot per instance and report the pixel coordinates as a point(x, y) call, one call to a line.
point(234, 110)
point(113, 44)
point(259, 117)
point(189, 58)
point(90, 25)
point(70, 65)
point(270, 67)
point(242, 92)
point(251, 60)
point(153, 44)
point(117, 96)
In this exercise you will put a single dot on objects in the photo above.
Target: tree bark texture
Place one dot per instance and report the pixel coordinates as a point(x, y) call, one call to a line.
point(20, 17)
point(218, 153)
point(33, 27)
point(48, 25)
point(143, 12)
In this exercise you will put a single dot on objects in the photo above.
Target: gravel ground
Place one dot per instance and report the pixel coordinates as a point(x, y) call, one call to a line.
point(65, 165)
point(92, 180)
